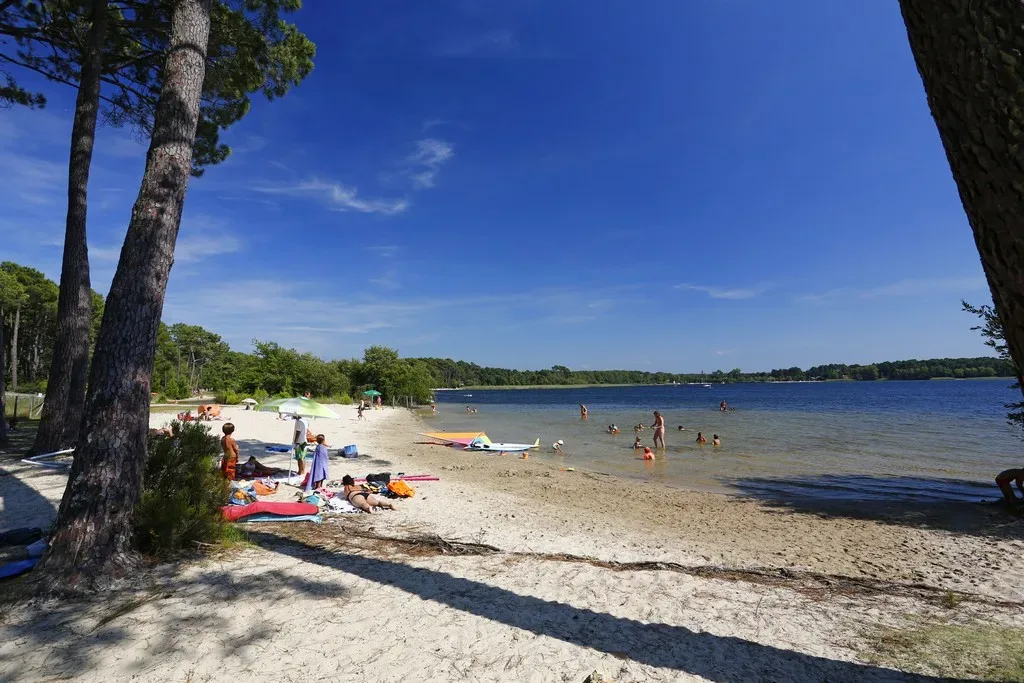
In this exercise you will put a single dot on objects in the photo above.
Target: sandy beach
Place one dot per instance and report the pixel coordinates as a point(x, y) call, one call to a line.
point(512, 569)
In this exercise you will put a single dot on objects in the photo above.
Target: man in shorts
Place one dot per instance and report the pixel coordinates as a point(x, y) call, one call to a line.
point(299, 442)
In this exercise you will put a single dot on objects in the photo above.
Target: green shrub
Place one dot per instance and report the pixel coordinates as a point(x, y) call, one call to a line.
point(182, 494)
point(260, 395)
point(229, 398)
point(178, 389)
point(343, 399)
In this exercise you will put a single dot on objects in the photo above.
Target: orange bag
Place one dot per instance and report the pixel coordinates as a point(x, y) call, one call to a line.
point(401, 489)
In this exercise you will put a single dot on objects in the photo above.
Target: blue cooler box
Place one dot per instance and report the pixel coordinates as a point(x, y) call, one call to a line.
point(350, 451)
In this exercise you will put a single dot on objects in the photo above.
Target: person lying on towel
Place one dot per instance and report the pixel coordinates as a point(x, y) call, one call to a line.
point(364, 500)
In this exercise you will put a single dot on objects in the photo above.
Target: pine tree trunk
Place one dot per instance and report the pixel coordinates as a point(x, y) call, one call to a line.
point(970, 55)
point(14, 349)
point(69, 367)
point(3, 385)
point(93, 541)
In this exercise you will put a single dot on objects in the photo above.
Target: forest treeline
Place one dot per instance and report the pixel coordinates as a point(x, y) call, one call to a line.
point(450, 373)
point(190, 358)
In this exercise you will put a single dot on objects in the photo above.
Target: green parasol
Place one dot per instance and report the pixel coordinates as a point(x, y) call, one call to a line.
point(298, 406)
point(372, 393)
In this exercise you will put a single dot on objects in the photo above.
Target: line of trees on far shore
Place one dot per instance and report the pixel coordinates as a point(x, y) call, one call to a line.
point(190, 358)
point(450, 373)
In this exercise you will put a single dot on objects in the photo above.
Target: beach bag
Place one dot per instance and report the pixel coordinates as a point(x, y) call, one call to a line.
point(383, 478)
point(241, 497)
point(401, 489)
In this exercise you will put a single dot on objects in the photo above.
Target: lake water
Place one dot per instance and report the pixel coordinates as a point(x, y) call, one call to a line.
point(927, 441)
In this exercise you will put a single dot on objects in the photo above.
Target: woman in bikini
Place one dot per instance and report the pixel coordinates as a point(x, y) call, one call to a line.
point(361, 499)
point(659, 429)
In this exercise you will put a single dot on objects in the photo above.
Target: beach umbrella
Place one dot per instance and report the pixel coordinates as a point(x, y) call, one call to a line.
point(298, 406)
point(371, 393)
point(250, 401)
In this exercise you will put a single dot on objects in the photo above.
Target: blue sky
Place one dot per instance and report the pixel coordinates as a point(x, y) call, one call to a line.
point(662, 185)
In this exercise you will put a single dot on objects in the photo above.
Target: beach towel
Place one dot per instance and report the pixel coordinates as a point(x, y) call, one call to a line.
point(318, 470)
point(16, 568)
point(278, 449)
point(263, 489)
point(337, 504)
point(264, 517)
point(401, 489)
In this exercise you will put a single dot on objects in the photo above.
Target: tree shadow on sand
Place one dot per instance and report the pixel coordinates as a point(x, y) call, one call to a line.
point(186, 610)
point(717, 658)
point(21, 504)
point(358, 466)
point(899, 500)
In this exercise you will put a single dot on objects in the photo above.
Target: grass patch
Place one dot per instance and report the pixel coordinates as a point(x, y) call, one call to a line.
point(235, 537)
point(987, 652)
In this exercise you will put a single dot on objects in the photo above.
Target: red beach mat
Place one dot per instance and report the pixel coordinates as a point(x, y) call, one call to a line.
point(233, 513)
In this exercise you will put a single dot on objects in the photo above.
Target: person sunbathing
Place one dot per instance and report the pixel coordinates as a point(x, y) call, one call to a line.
point(364, 500)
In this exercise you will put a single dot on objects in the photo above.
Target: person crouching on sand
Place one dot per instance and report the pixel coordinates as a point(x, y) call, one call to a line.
point(557, 447)
point(1003, 481)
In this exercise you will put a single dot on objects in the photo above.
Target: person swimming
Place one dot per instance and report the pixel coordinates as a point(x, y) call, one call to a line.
point(613, 429)
point(682, 428)
point(715, 441)
point(638, 444)
point(639, 428)
point(701, 439)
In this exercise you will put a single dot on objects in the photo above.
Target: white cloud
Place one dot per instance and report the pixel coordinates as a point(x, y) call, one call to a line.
point(906, 287)
point(306, 316)
point(384, 250)
point(426, 161)
point(198, 247)
point(431, 123)
point(388, 281)
point(733, 293)
point(104, 254)
point(337, 197)
point(725, 352)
